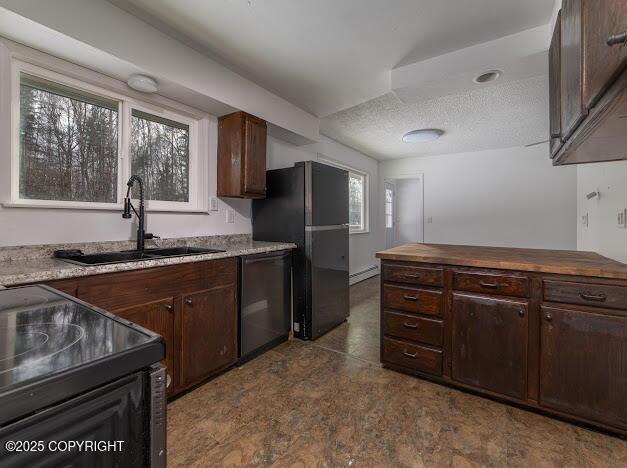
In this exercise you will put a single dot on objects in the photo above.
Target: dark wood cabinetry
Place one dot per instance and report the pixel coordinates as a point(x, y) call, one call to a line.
point(583, 364)
point(555, 86)
point(553, 342)
point(193, 306)
point(209, 333)
point(242, 156)
point(490, 344)
point(586, 60)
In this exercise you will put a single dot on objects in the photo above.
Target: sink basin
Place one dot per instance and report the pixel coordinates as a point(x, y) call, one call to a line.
point(176, 251)
point(106, 258)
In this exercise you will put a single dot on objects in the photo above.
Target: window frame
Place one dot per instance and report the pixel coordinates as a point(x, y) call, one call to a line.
point(126, 104)
point(365, 206)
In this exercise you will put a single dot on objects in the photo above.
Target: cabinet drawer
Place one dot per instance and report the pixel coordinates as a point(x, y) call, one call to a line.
point(413, 275)
point(410, 327)
point(413, 356)
point(418, 301)
point(505, 285)
point(597, 295)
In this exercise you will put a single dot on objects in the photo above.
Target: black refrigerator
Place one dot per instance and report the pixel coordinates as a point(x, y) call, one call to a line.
point(308, 205)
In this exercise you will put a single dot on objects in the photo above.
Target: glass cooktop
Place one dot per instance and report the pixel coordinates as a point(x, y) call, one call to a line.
point(43, 333)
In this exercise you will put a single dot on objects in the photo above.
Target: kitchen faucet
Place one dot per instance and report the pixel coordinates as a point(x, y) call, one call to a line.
point(128, 206)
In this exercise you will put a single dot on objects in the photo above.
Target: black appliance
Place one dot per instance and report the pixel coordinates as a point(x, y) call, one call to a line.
point(308, 205)
point(265, 297)
point(73, 374)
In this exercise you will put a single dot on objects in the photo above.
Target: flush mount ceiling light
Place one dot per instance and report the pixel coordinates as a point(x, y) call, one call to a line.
point(423, 135)
point(491, 75)
point(142, 83)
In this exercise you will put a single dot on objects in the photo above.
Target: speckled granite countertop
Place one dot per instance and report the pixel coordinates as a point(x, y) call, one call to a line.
point(35, 263)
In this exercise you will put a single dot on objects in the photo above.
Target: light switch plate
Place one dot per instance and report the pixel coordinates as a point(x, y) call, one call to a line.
point(213, 204)
point(621, 219)
point(584, 220)
point(230, 216)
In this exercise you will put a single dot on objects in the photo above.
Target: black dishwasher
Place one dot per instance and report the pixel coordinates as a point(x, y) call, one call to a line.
point(265, 302)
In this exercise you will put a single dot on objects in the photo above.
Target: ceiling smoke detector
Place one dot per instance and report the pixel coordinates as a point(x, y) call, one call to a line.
point(142, 83)
point(423, 135)
point(488, 76)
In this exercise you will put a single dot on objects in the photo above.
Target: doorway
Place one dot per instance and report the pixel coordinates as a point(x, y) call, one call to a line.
point(404, 209)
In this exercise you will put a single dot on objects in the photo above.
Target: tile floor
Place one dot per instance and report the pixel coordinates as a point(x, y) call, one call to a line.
point(329, 403)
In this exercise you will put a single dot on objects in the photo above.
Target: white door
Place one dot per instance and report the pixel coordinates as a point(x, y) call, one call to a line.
point(408, 211)
point(390, 213)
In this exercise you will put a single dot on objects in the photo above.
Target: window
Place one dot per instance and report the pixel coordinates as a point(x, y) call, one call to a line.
point(357, 196)
point(68, 144)
point(76, 145)
point(389, 201)
point(356, 208)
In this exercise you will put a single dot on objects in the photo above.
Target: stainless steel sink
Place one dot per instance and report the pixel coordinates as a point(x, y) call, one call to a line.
point(106, 258)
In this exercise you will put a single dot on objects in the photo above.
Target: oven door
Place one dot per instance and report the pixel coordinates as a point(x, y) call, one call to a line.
point(130, 410)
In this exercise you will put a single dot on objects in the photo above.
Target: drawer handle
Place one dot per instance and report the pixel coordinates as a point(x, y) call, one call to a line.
point(411, 275)
point(188, 301)
point(168, 307)
point(619, 38)
point(410, 298)
point(483, 284)
point(593, 297)
point(409, 355)
point(410, 325)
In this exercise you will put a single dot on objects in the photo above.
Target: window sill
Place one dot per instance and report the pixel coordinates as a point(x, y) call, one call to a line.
point(364, 231)
point(81, 207)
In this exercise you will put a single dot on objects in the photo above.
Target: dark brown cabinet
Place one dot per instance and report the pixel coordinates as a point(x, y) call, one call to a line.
point(583, 364)
point(242, 140)
point(157, 316)
point(209, 333)
point(555, 85)
point(490, 344)
point(193, 306)
point(587, 85)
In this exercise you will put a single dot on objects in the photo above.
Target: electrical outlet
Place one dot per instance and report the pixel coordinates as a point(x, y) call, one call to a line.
point(584, 220)
point(230, 216)
point(213, 204)
point(621, 219)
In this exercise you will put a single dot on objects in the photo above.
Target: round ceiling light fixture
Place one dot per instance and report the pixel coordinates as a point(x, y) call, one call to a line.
point(423, 135)
point(142, 83)
point(486, 77)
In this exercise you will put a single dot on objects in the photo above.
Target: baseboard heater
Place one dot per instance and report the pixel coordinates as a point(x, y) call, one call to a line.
point(363, 274)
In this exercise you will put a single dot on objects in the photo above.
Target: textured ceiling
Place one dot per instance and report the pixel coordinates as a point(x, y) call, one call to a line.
point(500, 116)
point(328, 55)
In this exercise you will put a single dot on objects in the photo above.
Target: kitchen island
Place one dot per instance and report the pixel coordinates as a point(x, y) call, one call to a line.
point(545, 329)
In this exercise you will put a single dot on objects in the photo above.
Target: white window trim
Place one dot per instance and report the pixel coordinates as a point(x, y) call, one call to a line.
point(197, 158)
point(366, 204)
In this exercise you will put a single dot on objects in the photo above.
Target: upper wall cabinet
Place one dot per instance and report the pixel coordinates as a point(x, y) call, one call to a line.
point(241, 156)
point(588, 92)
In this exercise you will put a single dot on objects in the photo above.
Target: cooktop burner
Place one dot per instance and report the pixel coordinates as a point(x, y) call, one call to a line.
point(43, 332)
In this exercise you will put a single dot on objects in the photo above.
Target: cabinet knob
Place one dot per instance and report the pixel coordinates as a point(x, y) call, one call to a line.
point(618, 38)
point(521, 313)
point(188, 301)
point(168, 307)
point(548, 317)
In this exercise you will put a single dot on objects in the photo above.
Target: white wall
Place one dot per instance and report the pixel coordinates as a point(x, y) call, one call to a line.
point(362, 246)
point(509, 197)
point(602, 234)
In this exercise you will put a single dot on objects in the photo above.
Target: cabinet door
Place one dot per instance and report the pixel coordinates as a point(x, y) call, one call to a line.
point(209, 333)
point(602, 61)
point(571, 57)
point(490, 344)
point(254, 177)
point(583, 364)
point(156, 316)
point(555, 107)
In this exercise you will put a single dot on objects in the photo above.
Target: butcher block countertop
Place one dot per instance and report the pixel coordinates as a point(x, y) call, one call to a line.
point(565, 262)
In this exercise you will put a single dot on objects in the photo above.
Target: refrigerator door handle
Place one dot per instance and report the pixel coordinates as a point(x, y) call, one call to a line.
point(331, 227)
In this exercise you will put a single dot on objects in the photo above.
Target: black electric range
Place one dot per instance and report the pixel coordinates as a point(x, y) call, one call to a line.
point(59, 356)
